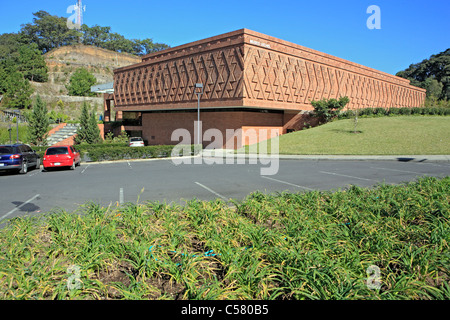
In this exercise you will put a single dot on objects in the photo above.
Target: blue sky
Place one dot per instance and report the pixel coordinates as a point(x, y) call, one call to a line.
point(411, 30)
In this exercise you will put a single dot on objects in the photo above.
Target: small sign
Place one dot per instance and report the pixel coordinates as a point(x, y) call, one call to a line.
point(261, 44)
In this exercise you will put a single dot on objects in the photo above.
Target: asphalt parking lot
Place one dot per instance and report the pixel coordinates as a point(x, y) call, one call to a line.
point(161, 180)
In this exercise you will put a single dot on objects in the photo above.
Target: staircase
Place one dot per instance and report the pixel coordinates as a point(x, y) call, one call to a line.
point(66, 132)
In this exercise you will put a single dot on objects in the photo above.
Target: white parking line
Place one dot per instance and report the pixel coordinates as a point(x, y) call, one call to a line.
point(212, 191)
point(85, 168)
point(399, 170)
point(344, 175)
point(433, 164)
point(288, 183)
point(34, 173)
point(129, 165)
point(15, 209)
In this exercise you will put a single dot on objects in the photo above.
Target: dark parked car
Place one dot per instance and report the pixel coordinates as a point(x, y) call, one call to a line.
point(18, 157)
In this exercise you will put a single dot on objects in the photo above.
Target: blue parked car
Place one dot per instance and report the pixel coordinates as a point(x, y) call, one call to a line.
point(18, 157)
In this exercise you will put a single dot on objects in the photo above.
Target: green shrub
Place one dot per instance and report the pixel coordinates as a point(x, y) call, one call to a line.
point(118, 151)
point(328, 109)
point(370, 112)
point(404, 111)
point(379, 111)
point(109, 152)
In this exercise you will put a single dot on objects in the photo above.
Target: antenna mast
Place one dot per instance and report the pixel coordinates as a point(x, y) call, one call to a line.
point(80, 13)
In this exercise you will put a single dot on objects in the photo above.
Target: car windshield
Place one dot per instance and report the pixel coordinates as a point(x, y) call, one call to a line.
point(6, 150)
point(136, 139)
point(53, 151)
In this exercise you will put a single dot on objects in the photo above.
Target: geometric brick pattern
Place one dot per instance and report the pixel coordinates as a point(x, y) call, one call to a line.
point(277, 77)
point(246, 68)
point(173, 81)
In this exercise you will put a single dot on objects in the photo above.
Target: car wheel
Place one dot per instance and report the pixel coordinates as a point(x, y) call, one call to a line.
point(24, 169)
point(38, 163)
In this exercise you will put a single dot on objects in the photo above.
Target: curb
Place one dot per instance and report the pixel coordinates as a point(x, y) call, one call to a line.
point(401, 158)
point(228, 155)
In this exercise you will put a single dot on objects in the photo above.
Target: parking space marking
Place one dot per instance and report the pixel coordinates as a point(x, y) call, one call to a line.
point(406, 171)
point(288, 183)
point(85, 168)
point(35, 173)
point(129, 165)
point(212, 191)
point(344, 175)
point(433, 164)
point(17, 208)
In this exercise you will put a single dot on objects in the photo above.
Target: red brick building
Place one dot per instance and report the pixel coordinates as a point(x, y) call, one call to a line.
point(250, 80)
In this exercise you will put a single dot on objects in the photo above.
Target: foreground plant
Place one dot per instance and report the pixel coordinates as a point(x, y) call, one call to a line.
point(389, 242)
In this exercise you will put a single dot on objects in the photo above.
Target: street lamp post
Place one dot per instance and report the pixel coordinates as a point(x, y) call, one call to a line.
point(198, 92)
point(17, 123)
point(9, 129)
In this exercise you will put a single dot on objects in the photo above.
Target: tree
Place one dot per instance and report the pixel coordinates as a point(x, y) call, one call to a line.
point(38, 123)
point(95, 36)
point(433, 87)
point(19, 63)
point(93, 129)
point(31, 63)
point(327, 109)
point(82, 132)
point(49, 32)
point(17, 90)
point(80, 83)
point(437, 67)
point(10, 44)
point(89, 131)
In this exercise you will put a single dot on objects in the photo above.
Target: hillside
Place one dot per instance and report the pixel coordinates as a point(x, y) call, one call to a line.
point(63, 62)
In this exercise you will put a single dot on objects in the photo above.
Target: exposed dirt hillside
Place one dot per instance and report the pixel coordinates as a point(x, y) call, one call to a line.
point(63, 62)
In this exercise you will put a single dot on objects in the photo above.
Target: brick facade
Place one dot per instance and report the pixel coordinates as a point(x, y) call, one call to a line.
point(158, 127)
point(245, 69)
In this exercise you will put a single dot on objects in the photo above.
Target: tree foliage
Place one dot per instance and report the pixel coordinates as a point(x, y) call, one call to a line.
point(50, 32)
point(432, 74)
point(80, 83)
point(32, 64)
point(82, 133)
point(328, 109)
point(19, 64)
point(16, 89)
point(38, 123)
point(89, 131)
point(22, 60)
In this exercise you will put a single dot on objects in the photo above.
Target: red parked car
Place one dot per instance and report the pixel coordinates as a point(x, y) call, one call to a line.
point(61, 156)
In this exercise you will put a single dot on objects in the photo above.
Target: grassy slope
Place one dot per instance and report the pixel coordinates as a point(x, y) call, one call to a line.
point(402, 135)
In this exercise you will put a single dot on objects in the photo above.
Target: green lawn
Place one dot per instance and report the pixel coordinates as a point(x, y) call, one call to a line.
point(4, 133)
point(402, 135)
